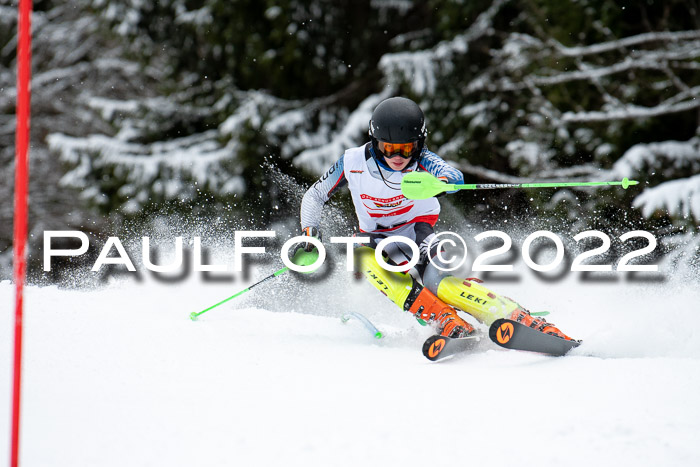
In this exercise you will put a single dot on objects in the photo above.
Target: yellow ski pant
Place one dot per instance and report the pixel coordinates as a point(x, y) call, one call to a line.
point(466, 295)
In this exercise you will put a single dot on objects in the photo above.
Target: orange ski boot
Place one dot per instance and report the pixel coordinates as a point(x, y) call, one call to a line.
point(524, 317)
point(426, 306)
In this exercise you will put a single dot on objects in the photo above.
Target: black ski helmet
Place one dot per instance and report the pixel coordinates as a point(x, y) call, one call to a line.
point(398, 120)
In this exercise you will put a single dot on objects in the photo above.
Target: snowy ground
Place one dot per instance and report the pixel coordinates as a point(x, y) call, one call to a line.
point(120, 376)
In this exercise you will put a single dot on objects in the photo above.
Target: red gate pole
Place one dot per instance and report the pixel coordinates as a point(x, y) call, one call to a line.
point(24, 70)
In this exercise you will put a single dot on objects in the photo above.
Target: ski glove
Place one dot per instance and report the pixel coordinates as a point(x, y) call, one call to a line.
point(308, 232)
point(305, 253)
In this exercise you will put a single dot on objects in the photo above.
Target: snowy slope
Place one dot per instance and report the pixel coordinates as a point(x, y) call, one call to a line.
point(121, 376)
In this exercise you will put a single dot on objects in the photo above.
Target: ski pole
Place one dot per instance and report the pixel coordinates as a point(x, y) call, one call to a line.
point(368, 324)
point(195, 315)
point(422, 185)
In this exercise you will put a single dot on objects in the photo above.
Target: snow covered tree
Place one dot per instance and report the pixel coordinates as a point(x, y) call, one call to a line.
point(236, 86)
point(574, 90)
point(180, 106)
point(71, 64)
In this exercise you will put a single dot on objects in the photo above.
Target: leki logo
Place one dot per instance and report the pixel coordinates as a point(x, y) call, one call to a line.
point(436, 347)
point(505, 333)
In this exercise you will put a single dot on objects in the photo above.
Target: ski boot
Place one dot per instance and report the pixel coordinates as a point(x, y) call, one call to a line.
point(427, 307)
point(523, 316)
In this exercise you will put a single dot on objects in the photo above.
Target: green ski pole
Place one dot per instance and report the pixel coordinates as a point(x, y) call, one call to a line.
point(195, 315)
point(301, 258)
point(422, 185)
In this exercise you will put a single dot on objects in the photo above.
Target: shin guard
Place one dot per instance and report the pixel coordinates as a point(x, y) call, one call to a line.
point(475, 299)
point(395, 285)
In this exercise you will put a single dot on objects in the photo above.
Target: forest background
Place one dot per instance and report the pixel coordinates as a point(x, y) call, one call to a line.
point(219, 113)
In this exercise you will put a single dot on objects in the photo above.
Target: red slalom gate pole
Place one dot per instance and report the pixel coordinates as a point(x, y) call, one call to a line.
point(24, 71)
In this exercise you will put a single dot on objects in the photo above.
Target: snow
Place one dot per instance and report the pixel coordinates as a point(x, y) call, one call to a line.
point(626, 42)
point(401, 5)
point(668, 154)
point(421, 69)
point(120, 376)
point(201, 17)
point(530, 153)
point(249, 111)
point(318, 159)
point(199, 157)
point(677, 197)
point(631, 112)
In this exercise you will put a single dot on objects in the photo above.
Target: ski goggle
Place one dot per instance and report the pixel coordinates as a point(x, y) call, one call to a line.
point(391, 150)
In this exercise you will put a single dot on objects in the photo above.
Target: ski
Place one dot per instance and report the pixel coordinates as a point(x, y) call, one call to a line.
point(439, 347)
point(514, 335)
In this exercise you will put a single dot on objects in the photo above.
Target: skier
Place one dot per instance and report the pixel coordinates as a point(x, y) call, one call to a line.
point(373, 173)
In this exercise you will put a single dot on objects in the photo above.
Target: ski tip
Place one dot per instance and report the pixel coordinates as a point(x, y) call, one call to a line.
point(501, 331)
point(440, 347)
point(433, 347)
point(378, 335)
point(193, 316)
